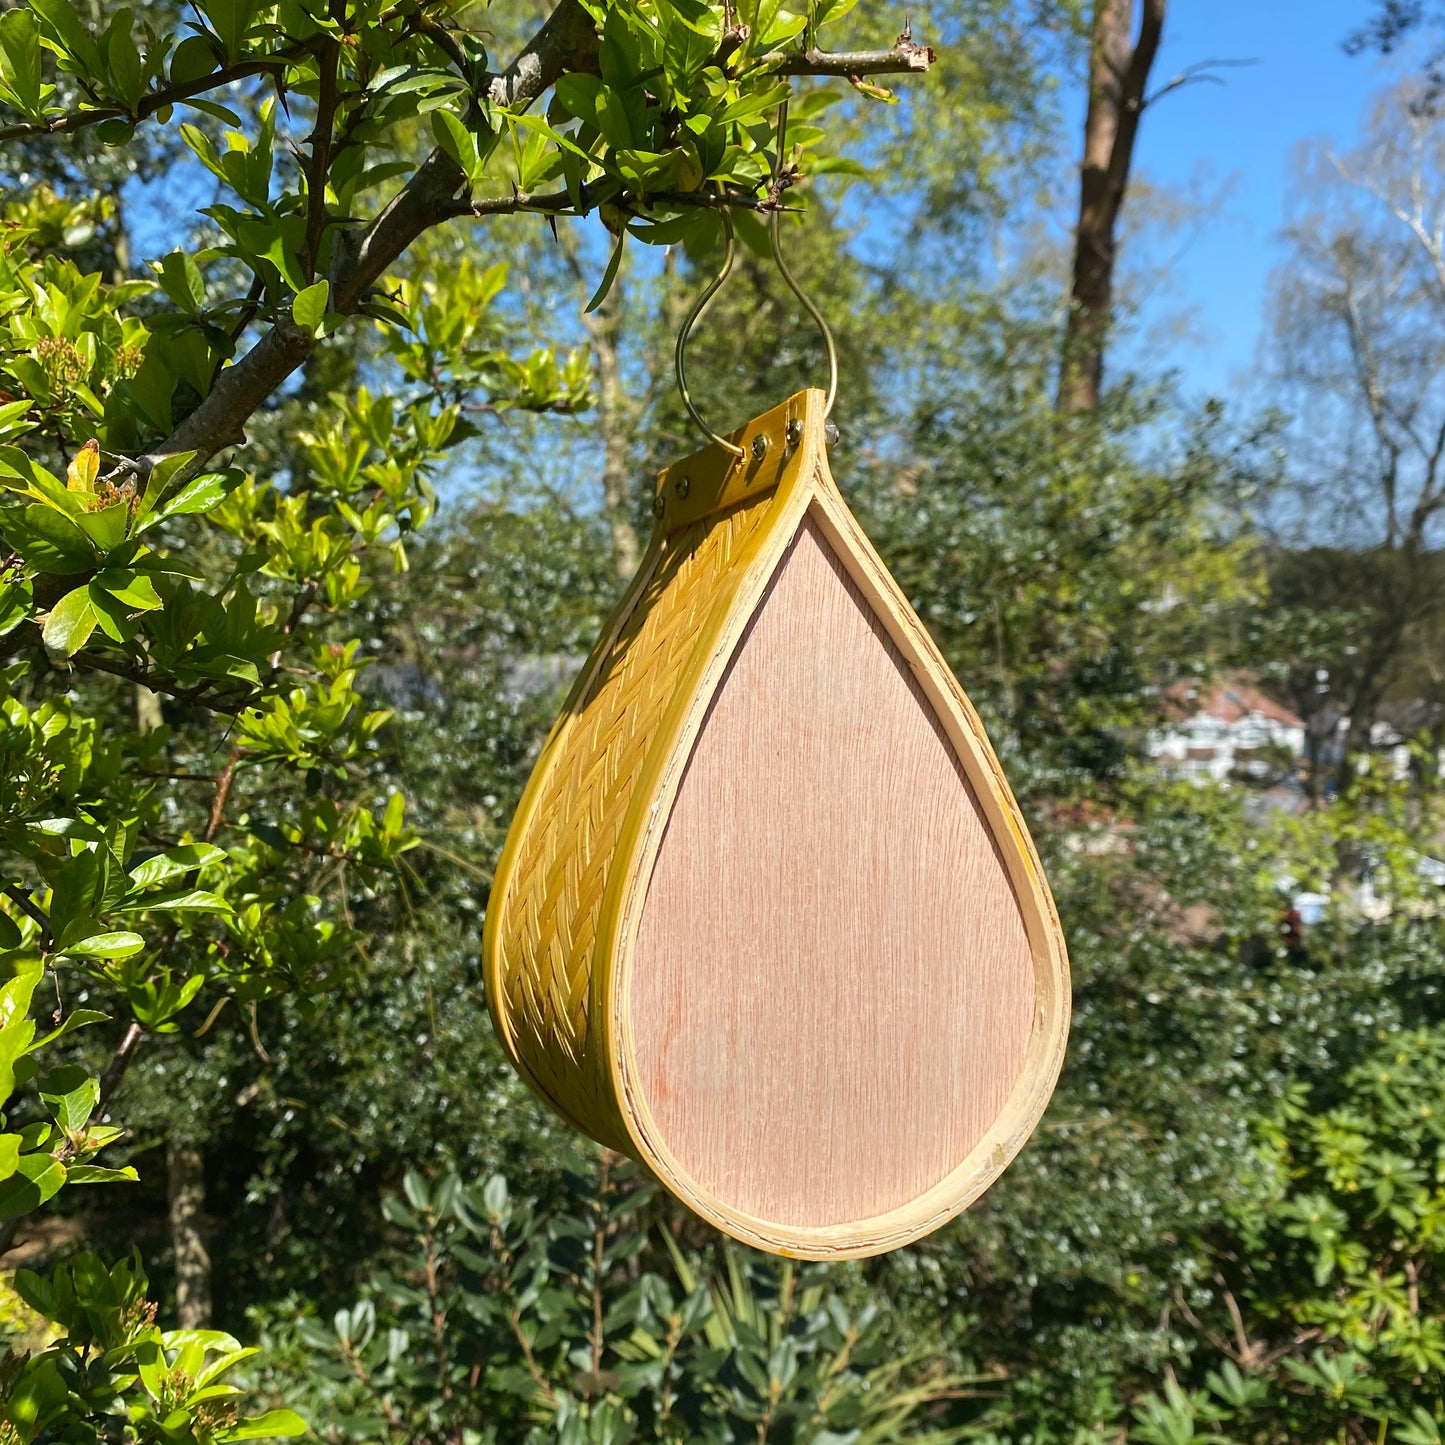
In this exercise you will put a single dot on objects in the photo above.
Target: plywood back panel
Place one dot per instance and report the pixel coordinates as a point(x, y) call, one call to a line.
point(832, 987)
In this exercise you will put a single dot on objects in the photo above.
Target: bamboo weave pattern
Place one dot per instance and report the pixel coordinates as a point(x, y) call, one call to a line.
point(548, 930)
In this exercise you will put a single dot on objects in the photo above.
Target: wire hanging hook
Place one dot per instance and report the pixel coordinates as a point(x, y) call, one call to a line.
point(679, 354)
point(808, 304)
point(699, 307)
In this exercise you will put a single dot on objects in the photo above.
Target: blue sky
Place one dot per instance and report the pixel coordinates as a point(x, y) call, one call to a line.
point(1240, 137)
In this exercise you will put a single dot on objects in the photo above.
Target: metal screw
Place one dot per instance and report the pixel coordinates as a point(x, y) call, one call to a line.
point(830, 434)
point(658, 506)
point(794, 434)
point(682, 486)
point(760, 448)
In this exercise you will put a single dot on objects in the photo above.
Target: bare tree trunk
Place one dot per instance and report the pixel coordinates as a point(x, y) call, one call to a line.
point(186, 1170)
point(615, 419)
point(1118, 74)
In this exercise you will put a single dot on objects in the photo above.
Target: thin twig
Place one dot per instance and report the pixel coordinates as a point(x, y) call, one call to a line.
point(22, 900)
point(218, 803)
point(319, 160)
point(120, 1060)
point(98, 662)
point(533, 1369)
point(157, 100)
point(905, 57)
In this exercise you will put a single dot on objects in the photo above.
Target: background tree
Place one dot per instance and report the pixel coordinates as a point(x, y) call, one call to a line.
point(1359, 311)
point(1119, 64)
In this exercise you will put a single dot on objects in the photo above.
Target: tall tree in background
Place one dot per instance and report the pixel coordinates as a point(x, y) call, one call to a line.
point(1360, 332)
point(1119, 66)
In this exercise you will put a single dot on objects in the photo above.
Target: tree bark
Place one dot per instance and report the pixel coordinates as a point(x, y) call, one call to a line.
point(615, 422)
point(1119, 69)
point(186, 1170)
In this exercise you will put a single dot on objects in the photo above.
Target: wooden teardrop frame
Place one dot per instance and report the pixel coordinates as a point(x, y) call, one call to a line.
point(768, 918)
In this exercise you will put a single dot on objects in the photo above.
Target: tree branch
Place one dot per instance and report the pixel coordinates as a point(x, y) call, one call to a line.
point(1200, 73)
point(157, 100)
point(97, 662)
point(906, 57)
point(318, 162)
point(435, 193)
point(554, 203)
point(22, 900)
point(120, 1060)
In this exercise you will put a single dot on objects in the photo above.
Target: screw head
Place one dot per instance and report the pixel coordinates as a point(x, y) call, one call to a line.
point(682, 486)
point(794, 433)
point(830, 434)
point(759, 448)
point(658, 506)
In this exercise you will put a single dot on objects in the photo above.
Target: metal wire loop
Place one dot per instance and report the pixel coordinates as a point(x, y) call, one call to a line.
point(679, 354)
point(715, 285)
point(810, 306)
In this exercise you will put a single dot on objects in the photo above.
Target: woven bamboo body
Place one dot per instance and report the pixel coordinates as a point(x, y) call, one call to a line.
point(768, 918)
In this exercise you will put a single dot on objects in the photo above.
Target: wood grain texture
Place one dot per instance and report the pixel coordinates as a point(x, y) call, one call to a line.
point(833, 986)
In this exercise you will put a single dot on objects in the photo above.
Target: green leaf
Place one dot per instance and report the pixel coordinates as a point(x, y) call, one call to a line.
point(13, 421)
point(198, 496)
point(47, 538)
point(457, 141)
point(272, 1425)
point(106, 528)
point(38, 1178)
point(230, 19)
point(16, 604)
point(135, 589)
point(114, 618)
point(182, 900)
point(174, 863)
point(76, 1019)
point(96, 1174)
point(181, 278)
point(71, 1094)
point(192, 59)
point(68, 31)
point(20, 59)
point(160, 479)
point(123, 59)
point(610, 274)
point(70, 624)
point(34, 481)
point(309, 307)
point(106, 945)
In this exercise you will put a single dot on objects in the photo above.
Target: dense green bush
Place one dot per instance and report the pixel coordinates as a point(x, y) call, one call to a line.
point(590, 1322)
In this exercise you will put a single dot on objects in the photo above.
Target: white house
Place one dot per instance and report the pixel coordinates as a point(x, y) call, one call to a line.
point(1218, 732)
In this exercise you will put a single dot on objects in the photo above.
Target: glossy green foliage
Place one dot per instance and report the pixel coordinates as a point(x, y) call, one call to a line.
point(1154, 1199)
point(1333, 1261)
point(56, 1146)
point(503, 1321)
point(109, 1368)
point(114, 1374)
point(266, 718)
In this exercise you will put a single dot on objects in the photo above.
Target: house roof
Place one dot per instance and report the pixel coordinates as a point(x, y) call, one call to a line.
point(1230, 701)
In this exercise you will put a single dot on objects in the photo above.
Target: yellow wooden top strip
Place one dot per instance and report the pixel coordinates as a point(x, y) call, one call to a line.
point(713, 479)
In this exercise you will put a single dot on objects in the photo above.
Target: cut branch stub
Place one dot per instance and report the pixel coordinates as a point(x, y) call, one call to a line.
point(768, 917)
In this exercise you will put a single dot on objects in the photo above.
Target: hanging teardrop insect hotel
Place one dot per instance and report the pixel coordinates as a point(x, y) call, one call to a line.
point(768, 918)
